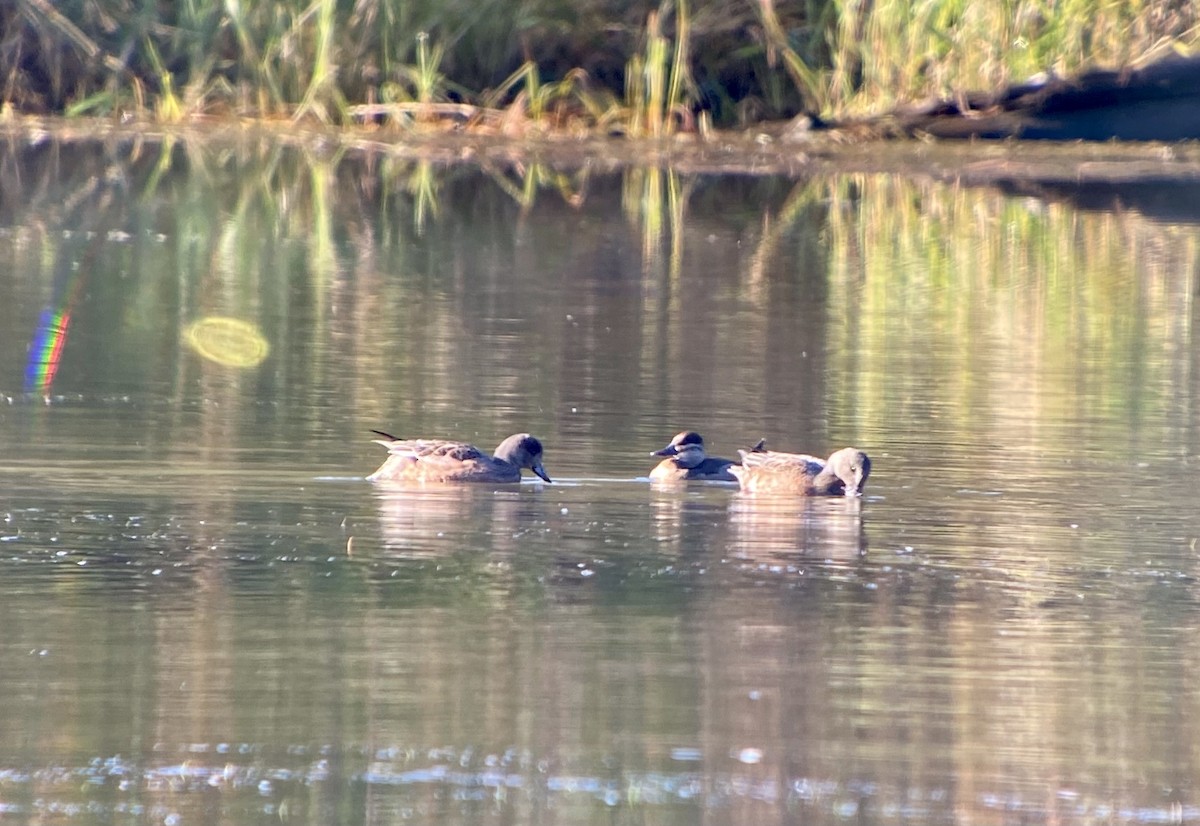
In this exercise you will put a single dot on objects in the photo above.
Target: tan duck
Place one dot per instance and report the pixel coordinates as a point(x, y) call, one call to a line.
point(440, 460)
point(686, 459)
point(771, 471)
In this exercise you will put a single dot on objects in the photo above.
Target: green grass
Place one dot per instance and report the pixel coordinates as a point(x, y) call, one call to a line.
point(908, 50)
point(599, 64)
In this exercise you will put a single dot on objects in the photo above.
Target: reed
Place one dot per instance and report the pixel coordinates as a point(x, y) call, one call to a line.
point(808, 82)
point(657, 82)
point(899, 50)
point(322, 88)
point(568, 104)
point(599, 63)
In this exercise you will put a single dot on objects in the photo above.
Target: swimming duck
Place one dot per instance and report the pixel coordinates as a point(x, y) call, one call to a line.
point(686, 460)
point(441, 460)
point(771, 471)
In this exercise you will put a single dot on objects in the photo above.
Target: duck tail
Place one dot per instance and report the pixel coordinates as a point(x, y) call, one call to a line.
point(387, 436)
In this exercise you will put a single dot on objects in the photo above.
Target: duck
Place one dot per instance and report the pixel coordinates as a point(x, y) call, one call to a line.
point(443, 460)
point(686, 459)
point(845, 472)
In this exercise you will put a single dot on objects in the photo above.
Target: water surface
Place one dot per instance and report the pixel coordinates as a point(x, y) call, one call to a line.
point(211, 617)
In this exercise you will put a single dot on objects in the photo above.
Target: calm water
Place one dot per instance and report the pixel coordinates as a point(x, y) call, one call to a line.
point(210, 617)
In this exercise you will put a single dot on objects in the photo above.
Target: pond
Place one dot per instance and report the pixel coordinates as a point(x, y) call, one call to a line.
point(212, 617)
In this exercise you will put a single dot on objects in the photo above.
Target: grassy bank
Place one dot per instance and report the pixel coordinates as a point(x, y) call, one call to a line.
point(640, 68)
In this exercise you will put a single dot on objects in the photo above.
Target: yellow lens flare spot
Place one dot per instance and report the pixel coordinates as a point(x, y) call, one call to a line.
point(228, 341)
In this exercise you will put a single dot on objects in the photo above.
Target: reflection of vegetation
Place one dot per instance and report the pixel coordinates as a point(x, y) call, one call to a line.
point(652, 200)
point(532, 179)
point(983, 306)
point(437, 58)
point(901, 286)
point(421, 184)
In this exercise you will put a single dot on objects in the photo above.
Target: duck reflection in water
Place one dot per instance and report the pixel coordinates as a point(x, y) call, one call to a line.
point(439, 461)
point(770, 528)
point(420, 521)
point(686, 459)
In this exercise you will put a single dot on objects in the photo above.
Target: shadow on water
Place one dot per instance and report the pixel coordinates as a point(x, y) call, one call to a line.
point(209, 612)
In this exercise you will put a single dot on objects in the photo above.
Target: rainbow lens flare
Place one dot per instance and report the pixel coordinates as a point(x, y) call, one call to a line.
point(45, 350)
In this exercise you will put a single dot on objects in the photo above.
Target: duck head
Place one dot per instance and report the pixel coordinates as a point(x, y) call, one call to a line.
point(687, 448)
point(524, 451)
point(853, 467)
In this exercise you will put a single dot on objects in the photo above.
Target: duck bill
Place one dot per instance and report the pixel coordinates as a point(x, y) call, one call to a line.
point(669, 450)
point(541, 471)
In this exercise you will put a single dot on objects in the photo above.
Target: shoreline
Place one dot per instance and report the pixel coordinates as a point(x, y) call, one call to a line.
point(768, 149)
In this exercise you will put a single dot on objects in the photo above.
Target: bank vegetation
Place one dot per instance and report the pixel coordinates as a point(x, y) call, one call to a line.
point(573, 66)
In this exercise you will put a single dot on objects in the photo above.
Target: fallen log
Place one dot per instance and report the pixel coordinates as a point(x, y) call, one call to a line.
point(1156, 102)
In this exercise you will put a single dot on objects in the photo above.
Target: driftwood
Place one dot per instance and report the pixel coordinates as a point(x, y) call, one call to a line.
point(1157, 102)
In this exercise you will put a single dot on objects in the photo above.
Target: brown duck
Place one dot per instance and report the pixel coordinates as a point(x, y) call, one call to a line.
point(442, 460)
point(772, 471)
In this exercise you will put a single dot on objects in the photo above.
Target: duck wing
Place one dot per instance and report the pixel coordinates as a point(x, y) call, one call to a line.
point(435, 449)
point(774, 461)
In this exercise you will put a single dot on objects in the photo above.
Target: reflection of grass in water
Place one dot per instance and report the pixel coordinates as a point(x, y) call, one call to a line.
point(422, 185)
point(655, 201)
point(980, 301)
point(535, 177)
point(322, 247)
point(778, 227)
point(983, 304)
